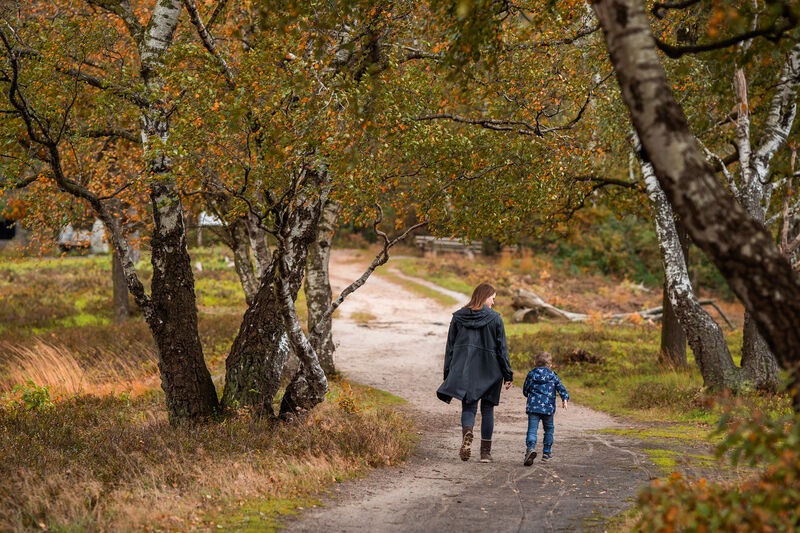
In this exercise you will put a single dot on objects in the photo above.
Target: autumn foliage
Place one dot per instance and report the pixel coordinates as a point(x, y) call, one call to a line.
point(769, 500)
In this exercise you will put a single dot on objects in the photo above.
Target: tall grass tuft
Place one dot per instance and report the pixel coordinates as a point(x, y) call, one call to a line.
point(93, 369)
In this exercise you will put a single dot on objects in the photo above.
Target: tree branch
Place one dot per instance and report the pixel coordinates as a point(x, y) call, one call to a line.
point(99, 83)
point(110, 131)
point(774, 33)
point(581, 33)
point(659, 9)
point(380, 259)
point(215, 14)
point(123, 9)
point(208, 40)
point(602, 182)
point(517, 126)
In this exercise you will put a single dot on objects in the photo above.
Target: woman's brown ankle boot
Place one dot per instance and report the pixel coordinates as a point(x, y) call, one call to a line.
point(486, 451)
point(466, 443)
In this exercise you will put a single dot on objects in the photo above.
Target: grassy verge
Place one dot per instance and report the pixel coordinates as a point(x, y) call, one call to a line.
point(434, 272)
point(84, 439)
point(114, 463)
point(420, 289)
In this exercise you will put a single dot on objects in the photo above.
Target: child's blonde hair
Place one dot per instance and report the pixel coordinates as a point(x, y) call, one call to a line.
point(544, 359)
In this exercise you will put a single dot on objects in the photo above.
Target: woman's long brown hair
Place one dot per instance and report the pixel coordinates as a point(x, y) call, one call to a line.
point(480, 295)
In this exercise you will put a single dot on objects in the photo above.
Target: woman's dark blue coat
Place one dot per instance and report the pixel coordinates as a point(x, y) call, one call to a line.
point(476, 357)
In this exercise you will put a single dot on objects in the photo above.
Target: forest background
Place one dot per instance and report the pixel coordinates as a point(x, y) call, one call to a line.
point(289, 122)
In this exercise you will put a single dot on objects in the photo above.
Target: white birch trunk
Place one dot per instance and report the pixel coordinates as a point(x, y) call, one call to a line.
point(704, 335)
point(742, 250)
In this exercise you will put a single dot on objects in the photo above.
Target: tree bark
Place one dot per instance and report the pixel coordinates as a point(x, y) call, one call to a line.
point(259, 352)
point(754, 191)
point(704, 335)
point(260, 245)
point(255, 364)
point(242, 261)
point(742, 250)
point(318, 289)
point(673, 338)
point(758, 363)
point(309, 384)
point(119, 288)
point(187, 384)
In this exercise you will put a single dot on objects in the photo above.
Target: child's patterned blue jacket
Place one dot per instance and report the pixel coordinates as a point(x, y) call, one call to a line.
point(540, 387)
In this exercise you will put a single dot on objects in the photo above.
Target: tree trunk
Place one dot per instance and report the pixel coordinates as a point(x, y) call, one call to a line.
point(242, 261)
point(172, 316)
point(255, 364)
point(742, 250)
point(259, 352)
point(318, 288)
point(673, 338)
point(704, 335)
point(190, 393)
point(758, 363)
point(259, 244)
point(754, 191)
point(120, 289)
point(309, 384)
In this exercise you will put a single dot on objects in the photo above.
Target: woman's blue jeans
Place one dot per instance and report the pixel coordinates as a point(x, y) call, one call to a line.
point(549, 426)
point(470, 409)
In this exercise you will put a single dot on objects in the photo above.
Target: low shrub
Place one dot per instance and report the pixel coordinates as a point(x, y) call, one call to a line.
point(663, 393)
point(767, 501)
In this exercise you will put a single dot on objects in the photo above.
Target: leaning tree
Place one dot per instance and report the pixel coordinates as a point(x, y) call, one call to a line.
point(743, 251)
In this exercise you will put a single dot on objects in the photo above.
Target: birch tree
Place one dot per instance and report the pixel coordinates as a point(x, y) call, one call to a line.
point(742, 249)
point(754, 187)
point(169, 309)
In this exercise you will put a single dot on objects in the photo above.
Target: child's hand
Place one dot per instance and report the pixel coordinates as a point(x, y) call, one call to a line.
point(564, 404)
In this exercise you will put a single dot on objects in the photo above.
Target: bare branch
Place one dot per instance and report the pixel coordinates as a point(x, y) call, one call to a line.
point(660, 8)
point(111, 131)
point(18, 183)
point(208, 40)
point(216, 13)
point(518, 126)
point(99, 83)
point(380, 259)
point(581, 33)
point(774, 32)
point(603, 182)
point(415, 53)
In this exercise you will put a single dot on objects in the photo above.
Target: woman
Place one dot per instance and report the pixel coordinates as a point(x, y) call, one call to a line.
point(475, 367)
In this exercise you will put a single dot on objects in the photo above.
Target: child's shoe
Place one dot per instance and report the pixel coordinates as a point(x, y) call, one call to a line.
point(546, 457)
point(530, 455)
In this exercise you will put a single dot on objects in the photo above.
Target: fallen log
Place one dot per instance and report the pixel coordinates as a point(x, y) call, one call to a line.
point(530, 307)
point(526, 300)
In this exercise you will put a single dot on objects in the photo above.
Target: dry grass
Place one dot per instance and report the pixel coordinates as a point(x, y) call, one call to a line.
point(57, 367)
point(114, 463)
point(84, 440)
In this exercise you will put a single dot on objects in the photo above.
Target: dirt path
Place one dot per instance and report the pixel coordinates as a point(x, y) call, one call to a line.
point(593, 475)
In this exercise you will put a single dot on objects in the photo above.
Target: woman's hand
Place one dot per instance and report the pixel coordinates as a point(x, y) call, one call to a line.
point(508, 384)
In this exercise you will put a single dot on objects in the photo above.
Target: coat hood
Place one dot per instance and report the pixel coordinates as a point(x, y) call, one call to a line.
point(474, 319)
point(541, 374)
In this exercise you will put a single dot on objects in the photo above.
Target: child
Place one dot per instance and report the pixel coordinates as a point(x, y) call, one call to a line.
point(540, 388)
